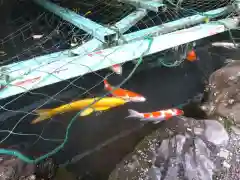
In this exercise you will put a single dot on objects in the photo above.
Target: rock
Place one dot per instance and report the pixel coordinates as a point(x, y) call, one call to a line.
point(231, 155)
point(224, 104)
point(236, 130)
point(184, 155)
point(12, 168)
point(215, 132)
point(224, 93)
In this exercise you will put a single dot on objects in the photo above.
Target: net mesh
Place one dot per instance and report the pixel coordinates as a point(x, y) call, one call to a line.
point(24, 43)
point(32, 31)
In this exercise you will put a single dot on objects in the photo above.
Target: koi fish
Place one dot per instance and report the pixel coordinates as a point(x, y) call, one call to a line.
point(117, 68)
point(101, 105)
point(87, 13)
point(123, 93)
point(2, 53)
point(37, 36)
point(228, 45)
point(206, 20)
point(157, 116)
point(191, 56)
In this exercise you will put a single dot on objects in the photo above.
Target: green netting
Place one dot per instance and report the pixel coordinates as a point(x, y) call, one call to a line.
point(19, 44)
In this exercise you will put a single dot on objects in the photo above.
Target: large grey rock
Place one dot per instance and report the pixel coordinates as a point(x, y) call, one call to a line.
point(190, 154)
point(224, 93)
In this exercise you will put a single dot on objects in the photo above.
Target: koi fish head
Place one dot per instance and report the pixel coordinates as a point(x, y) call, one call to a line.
point(137, 98)
point(178, 112)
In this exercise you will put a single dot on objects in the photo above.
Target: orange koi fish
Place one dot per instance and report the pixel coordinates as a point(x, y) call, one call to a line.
point(123, 93)
point(191, 56)
point(157, 116)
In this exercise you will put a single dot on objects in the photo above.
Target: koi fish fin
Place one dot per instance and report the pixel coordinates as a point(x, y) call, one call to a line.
point(133, 113)
point(117, 68)
point(152, 121)
point(86, 112)
point(43, 114)
point(101, 108)
point(90, 110)
point(156, 122)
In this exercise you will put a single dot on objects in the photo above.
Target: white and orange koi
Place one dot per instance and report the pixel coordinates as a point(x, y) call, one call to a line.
point(123, 93)
point(157, 116)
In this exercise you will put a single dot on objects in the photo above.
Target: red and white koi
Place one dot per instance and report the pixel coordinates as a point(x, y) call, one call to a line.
point(117, 68)
point(157, 116)
point(123, 93)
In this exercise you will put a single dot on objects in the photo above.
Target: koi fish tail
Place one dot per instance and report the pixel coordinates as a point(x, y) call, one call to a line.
point(133, 113)
point(43, 114)
point(107, 85)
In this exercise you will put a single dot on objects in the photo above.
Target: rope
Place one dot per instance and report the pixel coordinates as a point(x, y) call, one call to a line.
point(58, 148)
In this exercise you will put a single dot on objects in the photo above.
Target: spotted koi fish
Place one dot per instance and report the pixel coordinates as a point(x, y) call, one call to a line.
point(157, 116)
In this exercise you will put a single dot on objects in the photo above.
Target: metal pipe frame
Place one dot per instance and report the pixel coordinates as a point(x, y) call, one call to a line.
point(77, 66)
point(98, 31)
point(146, 4)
